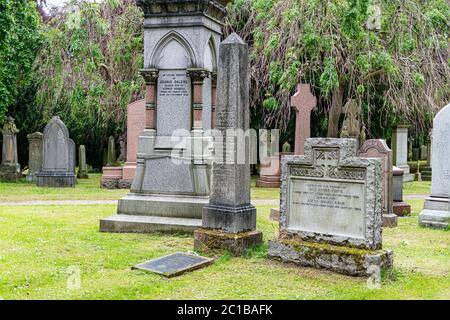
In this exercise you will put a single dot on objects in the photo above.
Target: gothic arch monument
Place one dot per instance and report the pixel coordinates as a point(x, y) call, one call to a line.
point(173, 164)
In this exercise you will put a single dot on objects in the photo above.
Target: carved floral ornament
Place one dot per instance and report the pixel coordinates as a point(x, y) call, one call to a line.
point(215, 9)
point(150, 75)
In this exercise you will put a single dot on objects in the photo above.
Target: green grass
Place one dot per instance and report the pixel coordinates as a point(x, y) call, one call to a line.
point(89, 189)
point(38, 244)
point(415, 187)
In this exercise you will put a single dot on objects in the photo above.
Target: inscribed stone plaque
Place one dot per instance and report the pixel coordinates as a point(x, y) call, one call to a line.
point(175, 264)
point(441, 145)
point(174, 102)
point(330, 207)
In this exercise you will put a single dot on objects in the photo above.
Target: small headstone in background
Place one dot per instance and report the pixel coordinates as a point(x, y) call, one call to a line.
point(111, 158)
point(34, 155)
point(436, 212)
point(377, 148)
point(82, 167)
point(331, 210)
point(399, 148)
point(10, 167)
point(400, 208)
point(58, 164)
point(175, 264)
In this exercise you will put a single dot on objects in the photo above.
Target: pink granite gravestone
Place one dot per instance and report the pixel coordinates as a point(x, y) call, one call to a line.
point(303, 102)
point(135, 125)
point(377, 148)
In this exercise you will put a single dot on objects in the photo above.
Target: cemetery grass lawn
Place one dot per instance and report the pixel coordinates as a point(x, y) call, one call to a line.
point(41, 245)
point(415, 187)
point(89, 189)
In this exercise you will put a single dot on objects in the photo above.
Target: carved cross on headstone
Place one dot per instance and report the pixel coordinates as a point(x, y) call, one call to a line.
point(303, 102)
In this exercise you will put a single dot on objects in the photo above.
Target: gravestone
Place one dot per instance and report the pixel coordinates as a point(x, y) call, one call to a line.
point(331, 209)
point(377, 148)
point(229, 219)
point(135, 126)
point(351, 127)
point(10, 167)
point(400, 151)
point(82, 166)
point(112, 172)
point(436, 212)
point(175, 264)
point(123, 148)
point(172, 178)
point(400, 208)
point(34, 155)
point(269, 176)
point(427, 171)
point(303, 102)
point(58, 159)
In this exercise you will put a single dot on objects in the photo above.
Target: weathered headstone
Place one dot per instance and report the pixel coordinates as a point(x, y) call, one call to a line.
point(82, 166)
point(123, 148)
point(269, 176)
point(229, 220)
point(34, 155)
point(400, 208)
point(377, 148)
point(351, 127)
point(331, 209)
point(58, 160)
point(303, 102)
point(400, 151)
point(172, 179)
point(436, 212)
point(427, 171)
point(112, 172)
point(10, 167)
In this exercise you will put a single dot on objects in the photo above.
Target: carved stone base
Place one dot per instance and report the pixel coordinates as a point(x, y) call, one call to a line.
point(109, 183)
point(389, 220)
point(124, 184)
point(55, 179)
point(268, 182)
point(345, 260)
point(213, 240)
point(401, 208)
point(10, 173)
point(436, 213)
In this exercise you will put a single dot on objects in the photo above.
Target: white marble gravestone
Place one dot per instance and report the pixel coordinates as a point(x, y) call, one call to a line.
point(330, 206)
point(58, 158)
point(436, 212)
point(400, 151)
point(172, 179)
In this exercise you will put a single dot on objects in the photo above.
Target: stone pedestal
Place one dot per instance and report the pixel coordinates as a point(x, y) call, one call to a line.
point(269, 173)
point(10, 172)
point(400, 208)
point(436, 211)
point(236, 243)
point(110, 177)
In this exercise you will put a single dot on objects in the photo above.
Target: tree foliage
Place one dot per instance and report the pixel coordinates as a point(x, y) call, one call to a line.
point(88, 70)
point(399, 73)
point(19, 42)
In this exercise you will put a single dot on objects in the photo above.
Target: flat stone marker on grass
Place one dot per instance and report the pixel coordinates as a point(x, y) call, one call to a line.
point(331, 210)
point(175, 264)
point(436, 211)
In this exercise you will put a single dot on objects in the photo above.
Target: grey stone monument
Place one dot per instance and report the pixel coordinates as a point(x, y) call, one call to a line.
point(400, 208)
point(58, 160)
point(111, 157)
point(172, 179)
point(34, 155)
point(229, 220)
point(82, 166)
point(436, 212)
point(377, 148)
point(10, 167)
point(400, 151)
point(331, 209)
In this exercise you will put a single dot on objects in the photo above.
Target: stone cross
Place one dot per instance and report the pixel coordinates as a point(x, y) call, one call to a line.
point(229, 210)
point(303, 102)
point(82, 167)
point(34, 155)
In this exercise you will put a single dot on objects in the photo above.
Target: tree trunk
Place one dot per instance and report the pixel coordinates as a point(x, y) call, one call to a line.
point(335, 110)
